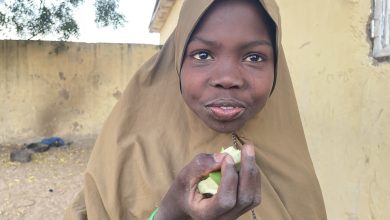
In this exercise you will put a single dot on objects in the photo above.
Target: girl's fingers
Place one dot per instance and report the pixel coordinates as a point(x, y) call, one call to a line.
point(237, 192)
point(201, 166)
point(197, 170)
point(194, 172)
point(249, 192)
point(224, 200)
point(226, 197)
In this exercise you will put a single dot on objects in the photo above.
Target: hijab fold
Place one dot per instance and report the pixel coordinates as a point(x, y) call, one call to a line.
point(151, 135)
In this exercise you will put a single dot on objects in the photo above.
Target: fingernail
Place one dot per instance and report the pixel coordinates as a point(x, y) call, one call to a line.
point(250, 151)
point(218, 157)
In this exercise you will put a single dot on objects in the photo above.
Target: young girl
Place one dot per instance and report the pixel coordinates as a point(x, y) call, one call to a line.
point(220, 80)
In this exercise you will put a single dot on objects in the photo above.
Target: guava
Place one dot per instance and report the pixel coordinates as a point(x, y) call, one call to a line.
point(209, 186)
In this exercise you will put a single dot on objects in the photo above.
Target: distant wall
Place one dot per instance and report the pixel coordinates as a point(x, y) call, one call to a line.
point(70, 90)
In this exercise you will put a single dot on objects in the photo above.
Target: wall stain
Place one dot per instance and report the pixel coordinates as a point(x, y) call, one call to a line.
point(46, 124)
point(76, 126)
point(95, 80)
point(367, 159)
point(117, 94)
point(305, 44)
point(322, 71)
point(379, 114)
point(78, 111)
point(329, 78)
point(344, 76)
point(61, 75)
point(37, 76)
point(64, 94)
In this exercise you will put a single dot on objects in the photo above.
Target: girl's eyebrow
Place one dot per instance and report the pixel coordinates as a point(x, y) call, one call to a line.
point(205, 41)
point(256, 43)
point(244, 46)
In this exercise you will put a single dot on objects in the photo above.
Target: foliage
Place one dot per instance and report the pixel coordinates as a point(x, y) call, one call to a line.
point(38, 18)
point(106, 13)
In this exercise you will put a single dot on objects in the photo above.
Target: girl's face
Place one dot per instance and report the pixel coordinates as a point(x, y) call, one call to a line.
point(228, 66)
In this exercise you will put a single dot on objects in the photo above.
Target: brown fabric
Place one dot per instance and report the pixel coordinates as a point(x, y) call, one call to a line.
point(151, 135)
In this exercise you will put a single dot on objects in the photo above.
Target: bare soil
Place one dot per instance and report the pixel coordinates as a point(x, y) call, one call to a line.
point(43, 188)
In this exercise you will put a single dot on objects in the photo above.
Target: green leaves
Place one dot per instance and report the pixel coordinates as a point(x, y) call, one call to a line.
point(106, 13)
point(2, 19)
point(31, 19)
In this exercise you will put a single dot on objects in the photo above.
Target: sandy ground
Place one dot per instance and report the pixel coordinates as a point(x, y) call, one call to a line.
point(43, 188)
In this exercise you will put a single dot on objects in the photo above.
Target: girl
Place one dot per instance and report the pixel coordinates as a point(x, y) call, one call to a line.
point(221, 79)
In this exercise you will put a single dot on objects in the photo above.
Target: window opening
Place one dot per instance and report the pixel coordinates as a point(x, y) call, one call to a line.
point(380, 28)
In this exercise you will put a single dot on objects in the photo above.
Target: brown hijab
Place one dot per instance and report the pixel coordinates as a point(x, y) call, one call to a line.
point(151, 135)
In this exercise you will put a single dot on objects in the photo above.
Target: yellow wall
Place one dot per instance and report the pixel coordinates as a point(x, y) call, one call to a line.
point(344, 100)
point(44, 93)
point(171, 21)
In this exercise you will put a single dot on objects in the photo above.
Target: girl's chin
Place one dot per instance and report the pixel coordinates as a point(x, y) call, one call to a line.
point(224, 127)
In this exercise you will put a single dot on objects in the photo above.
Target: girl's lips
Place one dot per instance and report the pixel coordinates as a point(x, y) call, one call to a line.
point(223, 113)
point(225, 109)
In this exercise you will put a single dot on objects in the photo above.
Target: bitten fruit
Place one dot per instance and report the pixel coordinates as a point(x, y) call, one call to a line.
point(209, 186)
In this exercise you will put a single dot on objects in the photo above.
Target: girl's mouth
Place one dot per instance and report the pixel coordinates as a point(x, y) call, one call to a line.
point(227, 113)
point(225, 109)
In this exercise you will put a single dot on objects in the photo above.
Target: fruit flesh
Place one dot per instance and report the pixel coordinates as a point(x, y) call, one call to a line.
point(209, 186)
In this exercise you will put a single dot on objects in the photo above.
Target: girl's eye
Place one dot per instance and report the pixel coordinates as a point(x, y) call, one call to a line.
point(202, 55)
point(253, 58)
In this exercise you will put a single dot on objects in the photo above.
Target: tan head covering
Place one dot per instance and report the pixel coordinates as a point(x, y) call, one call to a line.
point(151, 135)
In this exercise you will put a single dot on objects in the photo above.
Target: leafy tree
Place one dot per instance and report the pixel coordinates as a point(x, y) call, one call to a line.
point(30, 19)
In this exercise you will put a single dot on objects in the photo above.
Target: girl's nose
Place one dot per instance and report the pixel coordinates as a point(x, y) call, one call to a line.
point(227, 76)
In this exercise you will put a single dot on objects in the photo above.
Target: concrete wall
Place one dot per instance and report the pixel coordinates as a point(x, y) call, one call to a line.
point(344, 100)
point(171, 21)
point(66, 91)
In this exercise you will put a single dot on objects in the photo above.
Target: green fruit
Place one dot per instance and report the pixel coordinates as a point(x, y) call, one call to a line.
point(216, 176)
point(211, 183)
point(208, 186)
point(235, 154)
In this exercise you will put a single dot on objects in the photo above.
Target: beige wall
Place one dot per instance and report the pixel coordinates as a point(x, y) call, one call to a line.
point(44, 93)
point(344, 99)
point(171, 21)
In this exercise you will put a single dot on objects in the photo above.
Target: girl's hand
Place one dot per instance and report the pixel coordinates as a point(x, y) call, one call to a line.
point(237, 192)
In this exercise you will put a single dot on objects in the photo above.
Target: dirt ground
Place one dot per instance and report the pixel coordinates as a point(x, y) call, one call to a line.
point(43, 188)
